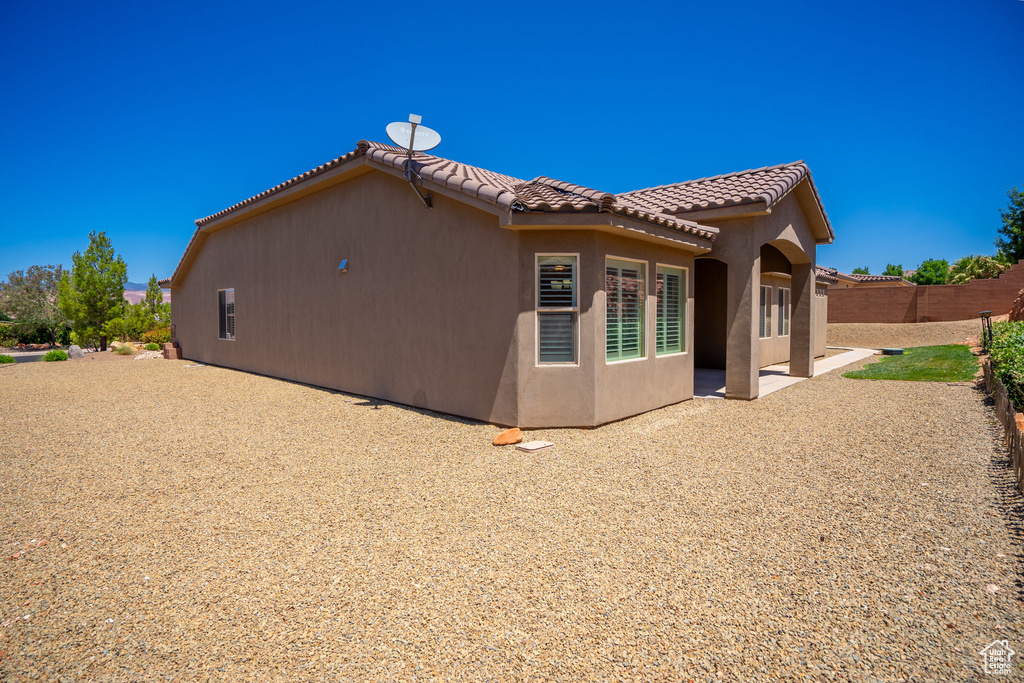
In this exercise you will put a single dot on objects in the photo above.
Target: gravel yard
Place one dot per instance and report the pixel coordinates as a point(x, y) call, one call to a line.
point(879, 335)
point(198, 523)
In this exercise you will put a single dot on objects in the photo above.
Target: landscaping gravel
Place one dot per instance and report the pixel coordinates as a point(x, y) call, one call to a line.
point(172, 522)
point(886, 335)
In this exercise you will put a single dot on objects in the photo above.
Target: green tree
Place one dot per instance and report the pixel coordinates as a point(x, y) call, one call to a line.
point(975, 268)
point(153, 304)
point(93, 293)
point(31, 299)
point(1011, 242)
point(862, 270)
point(931, 272)
point(892, 269)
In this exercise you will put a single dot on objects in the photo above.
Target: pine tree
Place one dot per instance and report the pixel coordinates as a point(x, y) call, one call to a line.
point(1011, 244)
point(93, 293)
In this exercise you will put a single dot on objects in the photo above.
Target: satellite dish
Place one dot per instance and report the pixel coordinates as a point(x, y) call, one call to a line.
point(413, 137)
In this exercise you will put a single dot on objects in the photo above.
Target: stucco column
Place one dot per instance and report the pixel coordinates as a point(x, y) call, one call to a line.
point(743, 350)
point(801, 340)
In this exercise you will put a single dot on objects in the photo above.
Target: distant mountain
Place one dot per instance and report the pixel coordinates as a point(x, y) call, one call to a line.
point(134, 293)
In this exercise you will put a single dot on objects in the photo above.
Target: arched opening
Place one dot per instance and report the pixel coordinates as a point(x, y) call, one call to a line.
point(710, 313)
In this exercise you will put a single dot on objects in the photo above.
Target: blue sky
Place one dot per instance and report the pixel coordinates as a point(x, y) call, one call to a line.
point(139, 118)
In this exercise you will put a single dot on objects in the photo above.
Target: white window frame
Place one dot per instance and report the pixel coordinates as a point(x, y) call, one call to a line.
point(764, 321)
point(785, 293)
point(646, 308)
point(227, 336)
point(537, 311)
point(684, 300)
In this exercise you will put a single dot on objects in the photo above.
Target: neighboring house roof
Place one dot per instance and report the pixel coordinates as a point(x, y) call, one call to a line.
point(826, 275)
point(759, 188)
point(860, 278)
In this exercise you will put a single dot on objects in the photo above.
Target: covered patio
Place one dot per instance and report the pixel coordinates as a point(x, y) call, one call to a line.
point(710, 382)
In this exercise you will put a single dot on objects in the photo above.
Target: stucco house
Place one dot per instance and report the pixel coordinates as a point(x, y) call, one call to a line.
point(535, 303)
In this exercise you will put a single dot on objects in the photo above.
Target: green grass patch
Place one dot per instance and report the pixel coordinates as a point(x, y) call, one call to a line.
point(953, 363)
point(6, 359)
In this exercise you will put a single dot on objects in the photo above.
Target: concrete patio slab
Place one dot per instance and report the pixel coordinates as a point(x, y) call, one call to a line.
point(710, 383)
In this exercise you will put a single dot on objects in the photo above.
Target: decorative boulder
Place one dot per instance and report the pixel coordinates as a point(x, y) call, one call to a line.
point(75, 351)
point(116, 345)
point(508, 437)
point(1017, 310)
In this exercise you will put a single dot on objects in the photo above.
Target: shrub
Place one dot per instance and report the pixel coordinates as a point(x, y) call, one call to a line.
point(160, 335)
point(124, 350)
point(119, 328)
point(8, 337)
point(56, 354)
point(86, 338)
point(6, 359)
point(152, 347)
point(1007, 355)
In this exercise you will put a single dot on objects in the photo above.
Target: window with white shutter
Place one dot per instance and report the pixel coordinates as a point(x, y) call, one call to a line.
point(226, 304)
point(557, 308)
point(766, 312)
point(783, 311)
point(671, 319)
point(625, 304)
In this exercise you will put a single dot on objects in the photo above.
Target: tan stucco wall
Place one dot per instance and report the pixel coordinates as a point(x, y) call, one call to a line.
point(595, 391)
point(426, 314)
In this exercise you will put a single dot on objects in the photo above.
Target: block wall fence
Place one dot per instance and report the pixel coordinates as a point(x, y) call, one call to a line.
point(926, 303)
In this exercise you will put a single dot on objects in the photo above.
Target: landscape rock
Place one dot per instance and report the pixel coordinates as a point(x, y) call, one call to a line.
point(508, 437)
point(115, 345)
point(75, 351)
point(1017, 310)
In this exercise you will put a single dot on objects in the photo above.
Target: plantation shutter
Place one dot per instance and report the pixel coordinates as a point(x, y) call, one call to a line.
point(625, 295)
point(223, 314)
point(783, 312)
point(226, 306)
point(766, 312)
point(556, 289)
point(230, 309)
point(670, 310)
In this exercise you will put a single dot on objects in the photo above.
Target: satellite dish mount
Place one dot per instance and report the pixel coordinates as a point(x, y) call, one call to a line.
point(414, 138)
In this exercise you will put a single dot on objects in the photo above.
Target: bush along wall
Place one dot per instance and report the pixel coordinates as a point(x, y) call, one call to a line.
point(1007, 355)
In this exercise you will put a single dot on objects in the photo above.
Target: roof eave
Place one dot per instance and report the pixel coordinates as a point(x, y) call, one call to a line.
point(810, 201)
point(254, 206)
point(615, 224)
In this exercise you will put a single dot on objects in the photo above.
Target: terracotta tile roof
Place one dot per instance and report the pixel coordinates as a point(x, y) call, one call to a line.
point(826, 275)
point(541, 194)
point(768, 185)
